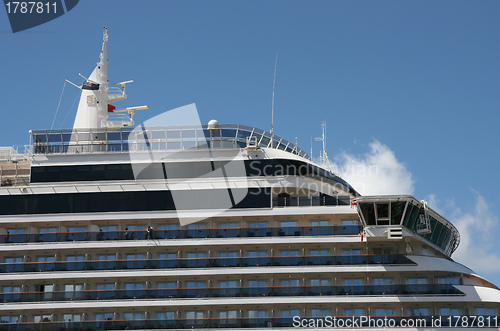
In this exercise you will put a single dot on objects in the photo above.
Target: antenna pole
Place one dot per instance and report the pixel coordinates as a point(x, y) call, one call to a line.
point(324, 155)
point(272, 106)
point(312, 147)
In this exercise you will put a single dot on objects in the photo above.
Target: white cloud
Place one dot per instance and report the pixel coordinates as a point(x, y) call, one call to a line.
point(434, 203)
point(478, 237)
point(380, 172)
point(376, 172)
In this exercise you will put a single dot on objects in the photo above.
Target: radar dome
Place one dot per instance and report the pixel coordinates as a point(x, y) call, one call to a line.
point(213, 126)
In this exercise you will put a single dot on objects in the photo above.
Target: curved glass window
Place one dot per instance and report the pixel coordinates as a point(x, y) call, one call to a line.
point(407, 211)
point(155, 138)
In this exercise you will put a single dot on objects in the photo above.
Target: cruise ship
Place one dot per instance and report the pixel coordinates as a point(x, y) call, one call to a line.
point(175, 224)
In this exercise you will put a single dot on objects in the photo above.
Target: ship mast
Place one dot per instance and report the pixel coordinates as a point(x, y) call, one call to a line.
point(325, 162)
point(94, 108)
point(272, 106)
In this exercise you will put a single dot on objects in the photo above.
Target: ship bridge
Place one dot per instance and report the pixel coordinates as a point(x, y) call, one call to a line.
point(395, 217)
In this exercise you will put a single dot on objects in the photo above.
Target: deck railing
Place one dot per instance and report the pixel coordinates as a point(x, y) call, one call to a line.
point(234, 292)
point(215, 262)
point(465, 323)
point(164, 138)
point(183, 233)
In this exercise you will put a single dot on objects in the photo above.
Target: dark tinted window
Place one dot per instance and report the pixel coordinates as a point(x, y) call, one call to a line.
point(126, 201)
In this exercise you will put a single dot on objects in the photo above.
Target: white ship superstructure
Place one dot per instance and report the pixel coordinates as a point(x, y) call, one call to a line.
point(213, 226)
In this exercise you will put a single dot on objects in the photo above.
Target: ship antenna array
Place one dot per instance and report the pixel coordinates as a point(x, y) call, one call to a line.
point(272, 106)
point(325, 162)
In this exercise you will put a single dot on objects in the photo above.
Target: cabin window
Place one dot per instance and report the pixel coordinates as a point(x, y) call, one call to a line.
point(232, 225)
point(449, 280)
point(167, 315)
point(11, 260)
point(46, 263)
point(257, 254)
point(9, 319)
point(380, 312)
point(200, 255)
point(287, 224)
point(133, 316)
point(229, 283)
point(316, 252)
point(449, 311)
point(353, 282)
point(289, 282)
point(104, 317)
point(47, 234)
point(418, 312)
point(225, 315)
point(320, 313)
point(257, 313)
point(73, 291)
point(257, 283)
point(16, 235)
point(320, 282)
point(356, 312)
point(42, 318)
point(290, 313)
point(485, 311)
point(193, 315)
point(228, 254)
point(417, 281)
point(321, 223)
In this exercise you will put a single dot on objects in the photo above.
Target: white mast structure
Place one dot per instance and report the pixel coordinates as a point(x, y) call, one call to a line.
point(94, 107)
point(272, 106)
point(325, 162)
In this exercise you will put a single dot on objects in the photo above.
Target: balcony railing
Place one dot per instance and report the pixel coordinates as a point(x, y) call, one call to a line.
point(233, 292)
point(297, 231)
point(216, 262)
point(464, 323)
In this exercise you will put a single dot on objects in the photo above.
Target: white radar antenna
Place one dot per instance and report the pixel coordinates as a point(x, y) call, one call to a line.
point(325, 162)
point(272, 106)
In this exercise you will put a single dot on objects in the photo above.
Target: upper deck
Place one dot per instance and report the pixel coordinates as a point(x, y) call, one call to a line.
point(165, 138)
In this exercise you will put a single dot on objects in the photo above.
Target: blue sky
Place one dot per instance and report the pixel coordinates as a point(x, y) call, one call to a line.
point(410, 88)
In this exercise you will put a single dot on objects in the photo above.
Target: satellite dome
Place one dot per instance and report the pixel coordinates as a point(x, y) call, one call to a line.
point(213, 126)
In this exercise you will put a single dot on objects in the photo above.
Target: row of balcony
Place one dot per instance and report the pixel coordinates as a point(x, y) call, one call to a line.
point(335, 230)
point(234, 292)
point(205, 263)
point(340, 322)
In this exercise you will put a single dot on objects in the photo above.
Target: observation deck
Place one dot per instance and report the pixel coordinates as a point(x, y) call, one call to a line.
point(165, 138)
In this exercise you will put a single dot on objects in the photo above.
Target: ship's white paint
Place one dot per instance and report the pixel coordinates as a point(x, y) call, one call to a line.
point(176, 156)
point(474, 295)
point(300, 270)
